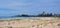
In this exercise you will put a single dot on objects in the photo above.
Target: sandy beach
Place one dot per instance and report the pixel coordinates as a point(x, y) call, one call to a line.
point(34, 22)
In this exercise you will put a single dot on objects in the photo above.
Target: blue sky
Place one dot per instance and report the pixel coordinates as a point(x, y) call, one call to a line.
point(33, 7)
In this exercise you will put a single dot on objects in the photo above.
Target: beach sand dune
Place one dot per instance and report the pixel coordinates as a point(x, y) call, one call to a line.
point(35, 22)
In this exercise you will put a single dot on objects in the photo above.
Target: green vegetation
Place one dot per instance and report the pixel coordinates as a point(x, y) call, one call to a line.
point(39, 15)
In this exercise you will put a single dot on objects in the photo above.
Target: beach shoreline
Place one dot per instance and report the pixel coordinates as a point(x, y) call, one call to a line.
point(33, 22)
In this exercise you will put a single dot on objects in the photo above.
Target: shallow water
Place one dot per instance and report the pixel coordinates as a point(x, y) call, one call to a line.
point(28, 18)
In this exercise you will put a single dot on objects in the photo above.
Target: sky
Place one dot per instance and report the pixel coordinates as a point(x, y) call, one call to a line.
point(31, 7)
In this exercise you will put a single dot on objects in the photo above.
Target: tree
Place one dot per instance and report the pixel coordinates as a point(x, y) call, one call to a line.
point(25, 15)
